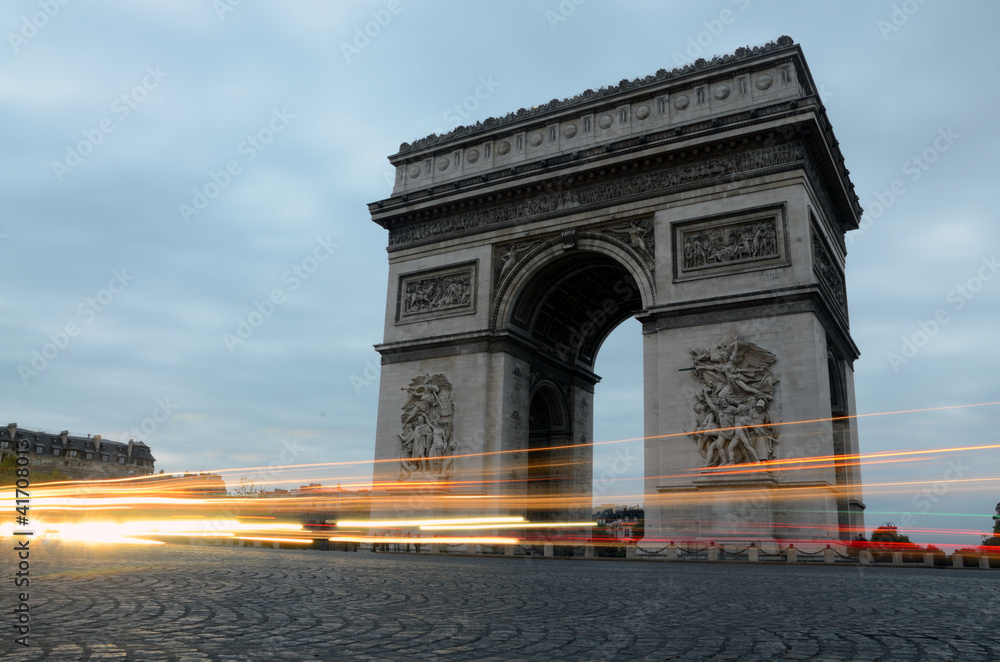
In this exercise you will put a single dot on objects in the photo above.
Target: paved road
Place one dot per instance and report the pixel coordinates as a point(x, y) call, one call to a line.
point(223, 603)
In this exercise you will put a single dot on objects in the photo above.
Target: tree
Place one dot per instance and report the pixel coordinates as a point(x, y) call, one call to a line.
point(8, 472)
point(7, 468)
point(887, 533)
point(247, 488)
point(994, 540)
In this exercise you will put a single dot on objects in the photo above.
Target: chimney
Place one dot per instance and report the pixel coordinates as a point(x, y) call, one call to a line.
point(11, 430)
point(64, 437)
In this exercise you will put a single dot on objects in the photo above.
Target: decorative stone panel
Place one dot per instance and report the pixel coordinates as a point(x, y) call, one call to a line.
point(729, 244)
point(437, 293)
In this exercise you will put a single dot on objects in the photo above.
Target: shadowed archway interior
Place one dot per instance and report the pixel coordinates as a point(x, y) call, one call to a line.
point(572, 304)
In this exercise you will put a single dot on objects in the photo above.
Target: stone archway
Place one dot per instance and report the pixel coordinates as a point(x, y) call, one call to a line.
point(709, 202)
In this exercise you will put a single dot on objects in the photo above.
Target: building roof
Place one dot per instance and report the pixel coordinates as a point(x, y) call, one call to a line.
point(66, 442)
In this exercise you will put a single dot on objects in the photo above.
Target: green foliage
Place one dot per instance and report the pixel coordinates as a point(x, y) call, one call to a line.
point(7, 466)
point(8, 472)
point(639, 530)
point(887, 533)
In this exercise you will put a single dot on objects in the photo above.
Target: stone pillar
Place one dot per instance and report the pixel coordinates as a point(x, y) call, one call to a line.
point(984, 562)
point(865, 557)
point(435, 548)
point(829, 557)
point(791, 555)
point(753, 554)
point(956, 561)
point(630, 551)
point(548, 549)
point(508, 550)
point(897, 558)
point(588, 551)
point(713, 553)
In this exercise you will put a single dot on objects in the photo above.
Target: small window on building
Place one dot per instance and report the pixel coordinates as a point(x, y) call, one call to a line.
point(39, 449)
point(90, 456)
point(56, 451)
point(121, 460)
point(104, 457)
point(72, 454)
point(4, 444)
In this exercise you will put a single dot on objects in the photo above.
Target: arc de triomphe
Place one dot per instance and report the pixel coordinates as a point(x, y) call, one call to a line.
point(708, 202)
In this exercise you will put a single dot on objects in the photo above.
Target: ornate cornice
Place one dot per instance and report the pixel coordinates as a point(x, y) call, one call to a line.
point(699, 66)
point(720, 169)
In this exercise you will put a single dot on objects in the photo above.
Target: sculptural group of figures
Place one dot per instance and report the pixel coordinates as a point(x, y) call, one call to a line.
point(426, 440)
point(732, 402)
point(431, 294)
point(721, 245)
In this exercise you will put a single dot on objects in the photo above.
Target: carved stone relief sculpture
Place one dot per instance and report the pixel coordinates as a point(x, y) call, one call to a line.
point(432, 294)
point(426, 442)
point(507, 256)
point(828, 273)
point(638, 235)
point(441, 293)
point(742, 241)
point(732, 403)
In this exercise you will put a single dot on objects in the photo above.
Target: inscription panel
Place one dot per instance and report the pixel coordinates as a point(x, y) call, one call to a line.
point(437, 293)
point(729, 244)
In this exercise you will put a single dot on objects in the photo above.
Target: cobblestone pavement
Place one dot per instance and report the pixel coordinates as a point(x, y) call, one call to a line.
point(223, 603)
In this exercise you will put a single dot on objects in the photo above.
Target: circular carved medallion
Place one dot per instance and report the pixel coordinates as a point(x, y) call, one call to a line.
point(569, 130)
point(681, 102)
point(472, 155)
point(443, 163)
point(763, 82)
point(721, 92)
point(605, 122)
point(642, 112)
point(535, 139)
point(413, 171)
point(503, 147)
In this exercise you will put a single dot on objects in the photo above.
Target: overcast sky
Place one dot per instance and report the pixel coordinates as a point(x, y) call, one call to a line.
point(114, 115)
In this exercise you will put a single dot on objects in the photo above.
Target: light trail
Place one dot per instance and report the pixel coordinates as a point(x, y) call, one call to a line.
point(425, 522)
point(450, 540)
point(522, 525)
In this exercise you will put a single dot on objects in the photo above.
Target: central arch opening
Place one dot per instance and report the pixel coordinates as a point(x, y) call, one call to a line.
point(565, 312)
point(571, 305)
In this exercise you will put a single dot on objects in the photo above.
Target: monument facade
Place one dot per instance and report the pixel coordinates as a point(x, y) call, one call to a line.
point(708, 202)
